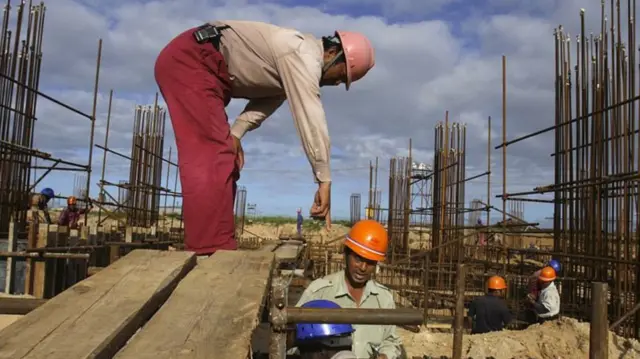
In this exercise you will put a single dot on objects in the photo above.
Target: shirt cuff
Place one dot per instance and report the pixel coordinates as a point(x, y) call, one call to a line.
point(239, 128)
point(322, 172)
point(391, 353)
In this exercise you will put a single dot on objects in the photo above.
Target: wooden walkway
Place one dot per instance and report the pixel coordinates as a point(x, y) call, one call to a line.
point(175, 308)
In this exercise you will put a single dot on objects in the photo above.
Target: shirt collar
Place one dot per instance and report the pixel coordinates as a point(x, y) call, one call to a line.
point(341, 290)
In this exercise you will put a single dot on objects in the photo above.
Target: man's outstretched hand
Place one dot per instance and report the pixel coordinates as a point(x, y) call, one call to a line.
point(321, 208)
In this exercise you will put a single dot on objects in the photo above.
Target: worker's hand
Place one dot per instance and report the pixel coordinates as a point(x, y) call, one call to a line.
point(531, 298)
point(237, 148)
point(321, 208)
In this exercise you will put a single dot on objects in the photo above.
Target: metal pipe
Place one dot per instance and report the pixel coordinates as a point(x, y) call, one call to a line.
point(458, 325)
point(599, 332)
point(399, 316)
point(35, 255)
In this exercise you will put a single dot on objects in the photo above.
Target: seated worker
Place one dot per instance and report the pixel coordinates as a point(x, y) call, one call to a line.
point(324, 341)
point(364, 246)
point(70, 215)
point(489, 313)
point(42, 199)
point(547, 304)
point(533, 281)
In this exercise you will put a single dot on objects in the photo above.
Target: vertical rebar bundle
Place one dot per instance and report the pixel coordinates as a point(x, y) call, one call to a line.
point(145, 176)
point(475, 214)
point(448, 182)
point(20, 62)
point(597, 161)
point(373, 210)
point(448, 193)
point(123, 192)
point(354, 208)
point(399, 200)
point(516, 208)
point(80, 185)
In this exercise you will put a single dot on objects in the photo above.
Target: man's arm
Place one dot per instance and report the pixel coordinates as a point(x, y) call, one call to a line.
point(256, 111)
point(300, 72)
point(470, 314)
point(47, 217)
point(391, 342)
point(506, 316)
point(63, 220)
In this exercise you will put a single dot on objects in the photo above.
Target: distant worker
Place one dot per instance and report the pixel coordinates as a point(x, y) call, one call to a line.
point(42, 199)
point(547, 304)
point(490, 313)
point(534, 282)
point(203, 68)
point(324, 341)
point(364, 246)
point(71, 214)
point(299, 222)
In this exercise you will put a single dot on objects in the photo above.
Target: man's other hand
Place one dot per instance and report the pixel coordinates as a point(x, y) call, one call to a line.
point(321, 208)
point(237, 148)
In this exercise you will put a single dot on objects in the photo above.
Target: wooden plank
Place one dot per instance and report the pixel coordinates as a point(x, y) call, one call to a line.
point(95, 317)
point(212, 313)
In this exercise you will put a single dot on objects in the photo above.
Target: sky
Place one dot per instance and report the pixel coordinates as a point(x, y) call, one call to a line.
point(431, 57)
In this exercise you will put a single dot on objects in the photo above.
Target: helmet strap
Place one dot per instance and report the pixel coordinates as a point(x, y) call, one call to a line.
point(333, 61)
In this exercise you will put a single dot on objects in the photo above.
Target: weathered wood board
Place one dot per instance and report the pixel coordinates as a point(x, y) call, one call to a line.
point(95, 317)
point(211, 314)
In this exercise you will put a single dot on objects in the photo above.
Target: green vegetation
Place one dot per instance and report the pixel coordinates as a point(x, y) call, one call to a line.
point(307, 224)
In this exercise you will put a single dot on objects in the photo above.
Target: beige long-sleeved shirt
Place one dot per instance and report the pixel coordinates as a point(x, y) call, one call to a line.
point(268, 64)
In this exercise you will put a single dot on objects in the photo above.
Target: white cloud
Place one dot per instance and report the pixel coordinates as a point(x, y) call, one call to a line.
point(423, 69)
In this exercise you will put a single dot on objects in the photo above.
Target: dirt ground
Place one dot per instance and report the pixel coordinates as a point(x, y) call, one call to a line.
point(565, 338)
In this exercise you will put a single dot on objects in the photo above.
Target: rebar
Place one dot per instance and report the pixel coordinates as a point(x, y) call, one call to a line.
point(145, 176)
point(20, 62)
point(354, 208)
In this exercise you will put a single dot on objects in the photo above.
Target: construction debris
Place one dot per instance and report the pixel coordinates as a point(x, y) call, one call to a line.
point(565, 338)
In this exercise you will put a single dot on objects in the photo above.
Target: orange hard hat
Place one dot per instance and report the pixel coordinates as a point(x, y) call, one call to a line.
point(359, 54)
point(72, 200)
point(368, 239)
point(496, 282)
point(547, 274)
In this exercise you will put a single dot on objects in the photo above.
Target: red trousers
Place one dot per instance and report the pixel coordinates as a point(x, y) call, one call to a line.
point(194, 81)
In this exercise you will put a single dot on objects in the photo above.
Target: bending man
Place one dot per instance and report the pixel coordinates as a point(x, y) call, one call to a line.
point(199, 72)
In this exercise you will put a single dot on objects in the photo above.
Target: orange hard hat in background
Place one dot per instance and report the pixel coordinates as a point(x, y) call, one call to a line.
point(547, 274)
point(496, 282)
point(359, 54)
point(368, 239)
point(72, 200)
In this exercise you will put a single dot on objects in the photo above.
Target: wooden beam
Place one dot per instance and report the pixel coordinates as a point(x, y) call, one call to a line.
point(212, 313)
point(19, 306)
point(95, 317)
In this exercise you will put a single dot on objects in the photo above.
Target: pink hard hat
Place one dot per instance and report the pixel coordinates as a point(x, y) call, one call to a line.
point(359, 54)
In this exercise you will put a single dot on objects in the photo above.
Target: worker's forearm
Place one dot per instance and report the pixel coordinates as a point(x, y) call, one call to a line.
point(540, 309)
point(390, 349)
point(390, 345)
point(254, 114)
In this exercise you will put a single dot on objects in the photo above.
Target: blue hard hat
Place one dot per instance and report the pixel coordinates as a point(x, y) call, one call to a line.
point(555, 265)
point(48, 192)
point(308, 331)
